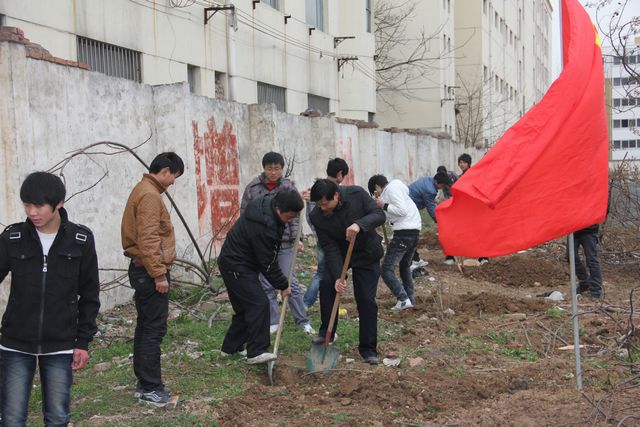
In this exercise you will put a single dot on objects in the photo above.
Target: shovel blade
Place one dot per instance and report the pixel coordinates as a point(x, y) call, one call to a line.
point(270, 370)
point(322, 359)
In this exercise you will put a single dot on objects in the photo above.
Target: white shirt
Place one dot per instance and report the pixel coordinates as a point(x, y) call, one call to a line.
point(401, 211)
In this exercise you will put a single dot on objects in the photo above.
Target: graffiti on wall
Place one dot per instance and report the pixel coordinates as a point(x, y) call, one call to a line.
point(217, 177)
point(410, 167)
point(344, 148)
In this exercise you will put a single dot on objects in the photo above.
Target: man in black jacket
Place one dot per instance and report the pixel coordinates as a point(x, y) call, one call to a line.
point(250, 248)
point(341, 215)
point(53, 303)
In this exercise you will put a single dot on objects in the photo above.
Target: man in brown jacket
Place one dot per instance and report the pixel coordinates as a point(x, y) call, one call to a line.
point(148, 239)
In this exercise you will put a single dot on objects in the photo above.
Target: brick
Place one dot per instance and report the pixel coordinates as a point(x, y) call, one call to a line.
point(84, 66)
point(35, 54)
point(9, 37)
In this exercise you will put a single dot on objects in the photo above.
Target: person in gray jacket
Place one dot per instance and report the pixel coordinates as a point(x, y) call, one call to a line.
point(270, 180)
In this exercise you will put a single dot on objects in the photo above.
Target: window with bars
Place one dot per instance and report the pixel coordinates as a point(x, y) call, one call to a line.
point(110, 59)
point(319, 103)
point(270, 94)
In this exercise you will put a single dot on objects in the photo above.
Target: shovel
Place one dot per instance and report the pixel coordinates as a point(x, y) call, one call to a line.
point(323, 357)
point(283, 310)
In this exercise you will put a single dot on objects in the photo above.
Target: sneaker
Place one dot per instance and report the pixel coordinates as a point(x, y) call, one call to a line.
point(583, 287)
point(402, 305)
point(262, 358)
point(138, 393)
point(449, 260)
point(483, 260)
point(308, 329)
point(241, 353)
point(418, 264)
point(419, 272)
point(158, 398)
point(371, 360)
point(273, 329)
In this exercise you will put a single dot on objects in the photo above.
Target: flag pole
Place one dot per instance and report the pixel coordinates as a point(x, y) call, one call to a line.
point(574, 311)
point(572, 256)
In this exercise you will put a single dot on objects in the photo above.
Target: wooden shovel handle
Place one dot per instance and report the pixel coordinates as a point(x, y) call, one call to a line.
point(292, 269)
point(336, 302)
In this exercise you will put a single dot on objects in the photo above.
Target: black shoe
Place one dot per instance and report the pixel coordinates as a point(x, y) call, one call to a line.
point(158, 398)
point(371, 360)
point(583, 287)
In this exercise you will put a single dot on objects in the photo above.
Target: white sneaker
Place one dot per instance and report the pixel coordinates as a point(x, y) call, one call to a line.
point(273, 329)
point(308, 329)
point(262, 358)
point(418, 264)
point(241, 353)
point(402, 305)
point(449, 260)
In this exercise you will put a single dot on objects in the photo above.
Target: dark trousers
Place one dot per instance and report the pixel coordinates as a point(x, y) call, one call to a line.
point(365, 286)
point(250, 321)
point(400, 253)
point(593, 279)
point(151, 327)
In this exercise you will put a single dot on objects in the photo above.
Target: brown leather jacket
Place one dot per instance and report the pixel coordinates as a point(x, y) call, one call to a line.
point(147, 232)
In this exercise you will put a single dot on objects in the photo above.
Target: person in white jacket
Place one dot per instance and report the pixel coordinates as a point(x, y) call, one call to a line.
point(402, 213)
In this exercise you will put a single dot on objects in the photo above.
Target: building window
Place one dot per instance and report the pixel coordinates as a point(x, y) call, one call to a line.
point(371, 117)
point(632, 143)
point(221, 85)
point(625, 143)
point(616, 123)
point(272, 3)
point(484, 6)
point(315, 14)
point(624, 123)
point(110, 59)
point(270, 94)
point(3, 20)
point(616, 102)
point(616, 144)
point(193, 77)
point(368, 15)
point(319, 103)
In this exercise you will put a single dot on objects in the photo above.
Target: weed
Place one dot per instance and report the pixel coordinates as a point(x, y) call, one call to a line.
point(555, 313)
point(340, 417)
point(501, 337)
point(519, 353)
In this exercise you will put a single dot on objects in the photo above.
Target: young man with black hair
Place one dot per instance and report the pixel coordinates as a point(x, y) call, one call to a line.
point(341, 215)
point(402, 213)
point(148, 239)
point(270, 180)
point(250, 249)
point(53, 303)
point(464, 163)
point(337, 170)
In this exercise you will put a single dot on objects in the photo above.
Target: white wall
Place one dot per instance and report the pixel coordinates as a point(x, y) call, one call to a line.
point(48, 111)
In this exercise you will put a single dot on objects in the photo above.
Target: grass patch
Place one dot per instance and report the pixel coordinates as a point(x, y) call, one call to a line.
point(519, 353)
point(555, 313)
point(501, 337)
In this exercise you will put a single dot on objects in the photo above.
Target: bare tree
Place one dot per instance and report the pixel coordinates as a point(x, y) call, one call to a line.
point(620, 31)
point(482, 114)
point(402, 59)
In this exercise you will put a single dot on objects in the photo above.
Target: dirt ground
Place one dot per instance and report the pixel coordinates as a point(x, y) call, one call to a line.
point(477, 364)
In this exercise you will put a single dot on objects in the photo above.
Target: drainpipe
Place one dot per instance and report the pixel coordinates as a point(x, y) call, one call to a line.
point(232, 27)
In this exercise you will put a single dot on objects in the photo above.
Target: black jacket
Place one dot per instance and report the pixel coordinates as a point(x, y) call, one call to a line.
point(355, 206)
point(254, 241)
point(54, 308)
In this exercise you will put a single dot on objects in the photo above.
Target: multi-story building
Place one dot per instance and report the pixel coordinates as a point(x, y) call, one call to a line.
point(624, 103)
point(503, 62)
point(295, 54)
point(422, 95)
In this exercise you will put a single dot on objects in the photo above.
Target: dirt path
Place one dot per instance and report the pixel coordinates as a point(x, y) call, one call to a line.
point(477, 366)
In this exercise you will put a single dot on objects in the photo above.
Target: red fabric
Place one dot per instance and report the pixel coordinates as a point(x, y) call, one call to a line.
point(271, 185)
point(547, 176)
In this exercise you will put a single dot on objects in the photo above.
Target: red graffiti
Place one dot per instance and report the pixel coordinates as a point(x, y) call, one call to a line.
point(217, 177)
point(345, 150)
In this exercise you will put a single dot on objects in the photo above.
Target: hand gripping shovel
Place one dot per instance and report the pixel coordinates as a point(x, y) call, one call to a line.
point(283, 310)
point(323, 357)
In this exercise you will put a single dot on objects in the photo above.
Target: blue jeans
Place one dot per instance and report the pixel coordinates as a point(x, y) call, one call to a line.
point(314, 287)
point(400, 252)
point(591, 280)
point(16, 373)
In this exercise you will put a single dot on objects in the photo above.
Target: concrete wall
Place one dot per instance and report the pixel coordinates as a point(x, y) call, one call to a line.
point(48, 110)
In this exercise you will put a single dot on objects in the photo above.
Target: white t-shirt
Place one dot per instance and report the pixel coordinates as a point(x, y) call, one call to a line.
point(46, 240)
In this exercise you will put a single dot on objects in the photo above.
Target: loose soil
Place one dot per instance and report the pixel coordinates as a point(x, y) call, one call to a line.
point(473, 366)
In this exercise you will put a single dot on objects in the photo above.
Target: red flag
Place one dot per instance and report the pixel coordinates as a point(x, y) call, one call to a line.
point(547, 175)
